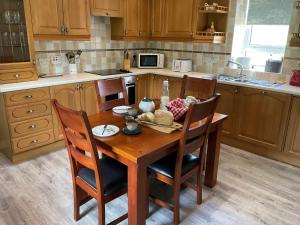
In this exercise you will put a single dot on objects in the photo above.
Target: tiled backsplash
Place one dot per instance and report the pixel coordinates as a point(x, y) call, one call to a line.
point(101, 52)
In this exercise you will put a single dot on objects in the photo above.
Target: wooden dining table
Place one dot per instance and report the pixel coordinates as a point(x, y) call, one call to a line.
point(138, 151)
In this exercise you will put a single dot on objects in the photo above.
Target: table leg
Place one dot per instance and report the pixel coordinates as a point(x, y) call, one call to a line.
point(212, 158)
point(137, 181)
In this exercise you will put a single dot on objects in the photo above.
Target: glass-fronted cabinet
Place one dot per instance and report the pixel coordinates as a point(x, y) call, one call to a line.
point(17, 61)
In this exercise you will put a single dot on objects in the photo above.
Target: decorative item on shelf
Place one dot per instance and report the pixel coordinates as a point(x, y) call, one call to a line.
point(71, 56)
point(297, 4)
point(213, 8)
point(211, 28)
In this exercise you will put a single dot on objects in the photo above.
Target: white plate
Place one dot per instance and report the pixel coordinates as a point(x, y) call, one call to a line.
point(110, 130)
point(121, 109)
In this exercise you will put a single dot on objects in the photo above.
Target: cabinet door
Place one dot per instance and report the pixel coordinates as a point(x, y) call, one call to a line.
point(89, 102)
point(131, 19)
point(77, 17)
point(174, 87)
point(142, 87)
point(179, 18)
point(111, 8)
point(157, 18)
point(68, 96)
point(227, 106)
point(262, 117)
point(156, 86)
point(47, 16)
point(292, 145)
point(144, 18)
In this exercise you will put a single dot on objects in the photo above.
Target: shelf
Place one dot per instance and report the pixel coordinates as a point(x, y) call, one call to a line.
point(208, 37)
point(213, 9)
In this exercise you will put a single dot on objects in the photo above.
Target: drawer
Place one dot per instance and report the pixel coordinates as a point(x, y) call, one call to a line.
point(31, 126)
point(32, 141)
point(27, 96)
point(17, 76)
point(28, 111)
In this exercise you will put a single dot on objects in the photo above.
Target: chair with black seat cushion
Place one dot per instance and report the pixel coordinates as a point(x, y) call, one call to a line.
point(198, 87)
point(178, 167)
point(102, 179)
point(109, 87)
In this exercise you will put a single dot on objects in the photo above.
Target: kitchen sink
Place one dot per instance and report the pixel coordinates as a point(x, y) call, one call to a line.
point(265, 83)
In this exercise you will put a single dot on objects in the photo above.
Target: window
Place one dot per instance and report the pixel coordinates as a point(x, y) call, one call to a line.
point(265, 33)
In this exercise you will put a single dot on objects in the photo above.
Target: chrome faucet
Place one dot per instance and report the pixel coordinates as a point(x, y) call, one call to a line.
point(240, 66)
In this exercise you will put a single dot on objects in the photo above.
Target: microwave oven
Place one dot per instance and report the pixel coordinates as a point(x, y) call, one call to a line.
point(150, 60)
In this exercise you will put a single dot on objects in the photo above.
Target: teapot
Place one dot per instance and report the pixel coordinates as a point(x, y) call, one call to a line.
point(147, 105)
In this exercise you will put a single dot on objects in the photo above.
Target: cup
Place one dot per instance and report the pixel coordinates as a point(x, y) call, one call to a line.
point(131, 123)
point(132, 112)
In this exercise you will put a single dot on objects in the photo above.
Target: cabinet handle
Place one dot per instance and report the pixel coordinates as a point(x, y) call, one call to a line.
point(236, 91)
point(125, 32)
point(32, 126)
point(107, 13)
point(17, 75)
point(77, 87)
point(192, 33)
point(33, 61)
point(34, 141)
point(67, 30)
point(30, 111)
point(263, 92)
point(62, 29)
point(140, 33)
point(28, 96)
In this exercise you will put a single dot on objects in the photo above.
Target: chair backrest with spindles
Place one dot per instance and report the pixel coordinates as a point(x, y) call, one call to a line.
point(79, 141)
point(198, 87)
point(110, 87)
point(195, 130)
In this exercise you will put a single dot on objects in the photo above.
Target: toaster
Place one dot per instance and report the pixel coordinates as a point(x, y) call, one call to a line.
point(182, 65)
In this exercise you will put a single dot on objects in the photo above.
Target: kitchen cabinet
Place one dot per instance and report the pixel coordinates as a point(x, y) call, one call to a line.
point(69, 19)
point(156, 86)
point(136, 21)
point(26, 123)
point(262, 117)
point(179, 19)
point(157, 18)
point(17, 56)
point(174, 87)
point(110, 8)
point(292, 146)
point(80, 96)
point(142, 87)
point(227, 105)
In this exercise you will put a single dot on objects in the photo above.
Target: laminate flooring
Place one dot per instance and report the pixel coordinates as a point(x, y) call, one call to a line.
point(250, 190)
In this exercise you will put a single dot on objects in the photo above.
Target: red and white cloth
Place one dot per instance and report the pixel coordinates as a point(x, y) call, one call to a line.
point(178, 108)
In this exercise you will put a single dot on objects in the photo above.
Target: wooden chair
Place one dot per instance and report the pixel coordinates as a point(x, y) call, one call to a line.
point(103, 179)
point(198, 87)
point(177, 168)
point(109, 87)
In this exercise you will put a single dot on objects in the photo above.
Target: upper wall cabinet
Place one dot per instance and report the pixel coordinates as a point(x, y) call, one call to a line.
point(17, 58)
point(136, 21)
point(110, 8)
point(59, 19)
point(179, 18)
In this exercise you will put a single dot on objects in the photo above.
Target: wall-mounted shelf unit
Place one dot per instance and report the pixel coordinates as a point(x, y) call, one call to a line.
point(211, 12)
point(216, 37)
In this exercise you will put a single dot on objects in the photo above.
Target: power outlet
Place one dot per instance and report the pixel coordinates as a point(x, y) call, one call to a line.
point(56, 59)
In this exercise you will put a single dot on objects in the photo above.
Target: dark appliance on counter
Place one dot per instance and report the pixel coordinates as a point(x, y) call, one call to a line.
point(129, 82)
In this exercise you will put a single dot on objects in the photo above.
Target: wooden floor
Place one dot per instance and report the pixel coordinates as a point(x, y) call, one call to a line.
point(251, 190)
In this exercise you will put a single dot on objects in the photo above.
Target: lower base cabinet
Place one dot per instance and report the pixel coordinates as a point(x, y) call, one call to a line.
point(29, 126)
point(260, 122)
point(80, 96)
point(292, 146)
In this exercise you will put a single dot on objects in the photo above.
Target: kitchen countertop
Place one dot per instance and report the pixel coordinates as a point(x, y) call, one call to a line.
point(84, 77)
